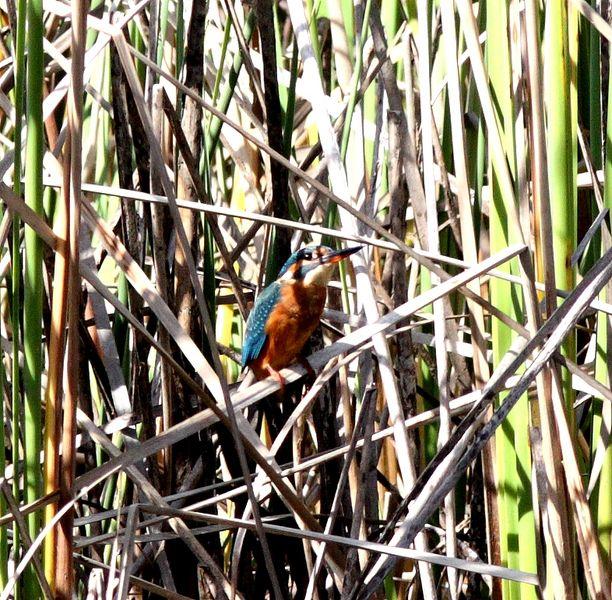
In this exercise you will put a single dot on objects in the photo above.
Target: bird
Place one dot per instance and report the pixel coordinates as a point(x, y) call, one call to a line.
point(287, 311)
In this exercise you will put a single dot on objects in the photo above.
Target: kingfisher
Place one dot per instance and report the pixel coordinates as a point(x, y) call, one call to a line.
point(287, 312)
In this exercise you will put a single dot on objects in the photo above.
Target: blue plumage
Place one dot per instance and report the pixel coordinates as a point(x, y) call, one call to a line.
point(288, 310)
point(299, 255)
point(255, 335)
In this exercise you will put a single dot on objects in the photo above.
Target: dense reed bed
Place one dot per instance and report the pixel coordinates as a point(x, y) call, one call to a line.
point(161, 159)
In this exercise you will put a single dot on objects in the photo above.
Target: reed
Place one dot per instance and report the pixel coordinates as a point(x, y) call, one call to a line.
point(32, 275)
point(19, 40)
point(601, 412)
point(216, 137)
point(516, 526)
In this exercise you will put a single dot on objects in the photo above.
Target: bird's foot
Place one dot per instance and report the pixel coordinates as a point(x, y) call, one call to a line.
point(278, 378)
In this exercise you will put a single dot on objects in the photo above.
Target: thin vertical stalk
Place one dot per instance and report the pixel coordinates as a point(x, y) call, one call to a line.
point(356, 82)
point(433, 245)
point(353, 154)
point(3, 529)
point(280, 58)
point(53, 392)
point(184, 294)
point(603, 506)
point(348, 21)
point(560, 158)
point(528, 559)
point(163, 30)
point(281, 237)
point(103, 130)
point(311, 18)
point(159, 227)
point(16, 276)
point(603, 371)
point(594, 81)
point(214, 128)
point(340, 44)
point(558, 580)
point(517, 542)
point(180, 37)
point(475, 148)
point(65, 579)
point(468, 238)
point(290, 106)
point(501, 295)
point(33, 287)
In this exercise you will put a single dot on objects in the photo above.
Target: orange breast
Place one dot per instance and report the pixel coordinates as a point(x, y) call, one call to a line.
point(289, 326)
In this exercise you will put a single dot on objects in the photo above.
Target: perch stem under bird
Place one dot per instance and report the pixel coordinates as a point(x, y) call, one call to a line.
point(287, 312)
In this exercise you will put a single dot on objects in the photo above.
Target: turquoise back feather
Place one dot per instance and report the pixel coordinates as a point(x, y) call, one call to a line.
point(255, 336)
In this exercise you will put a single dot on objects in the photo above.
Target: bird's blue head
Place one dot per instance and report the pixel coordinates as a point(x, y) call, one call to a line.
point(313, 264)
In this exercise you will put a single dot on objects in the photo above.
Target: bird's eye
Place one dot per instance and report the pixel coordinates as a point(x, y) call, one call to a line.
point(307, 254)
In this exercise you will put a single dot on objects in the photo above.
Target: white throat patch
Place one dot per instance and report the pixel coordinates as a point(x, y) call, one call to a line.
point(319, 276)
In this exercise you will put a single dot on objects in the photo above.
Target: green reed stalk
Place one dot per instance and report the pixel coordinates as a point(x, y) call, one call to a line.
point(214, 128)
point(346, 132)
point(594, 90)
point(561, 160)
point(33, 285)
point(280, 57)
point(601, 494)
point(92, 34)
point(163, 30)
point(589, 107)
point(348, 20)
point(180, 38)
point(19, 48)
point(331, 215)
point(290, 106)
point(138, 43)
point(475, 138)
point(219, 76)
point(103, 133)
point(516, 521)
point(312, 10)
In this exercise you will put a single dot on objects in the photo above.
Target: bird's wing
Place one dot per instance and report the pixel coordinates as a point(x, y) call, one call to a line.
point(255, 336)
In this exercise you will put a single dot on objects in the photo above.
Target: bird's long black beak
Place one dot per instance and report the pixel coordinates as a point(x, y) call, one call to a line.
point(338, 255)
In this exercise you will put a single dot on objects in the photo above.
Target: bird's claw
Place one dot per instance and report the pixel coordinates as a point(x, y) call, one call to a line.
point(278, 378)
